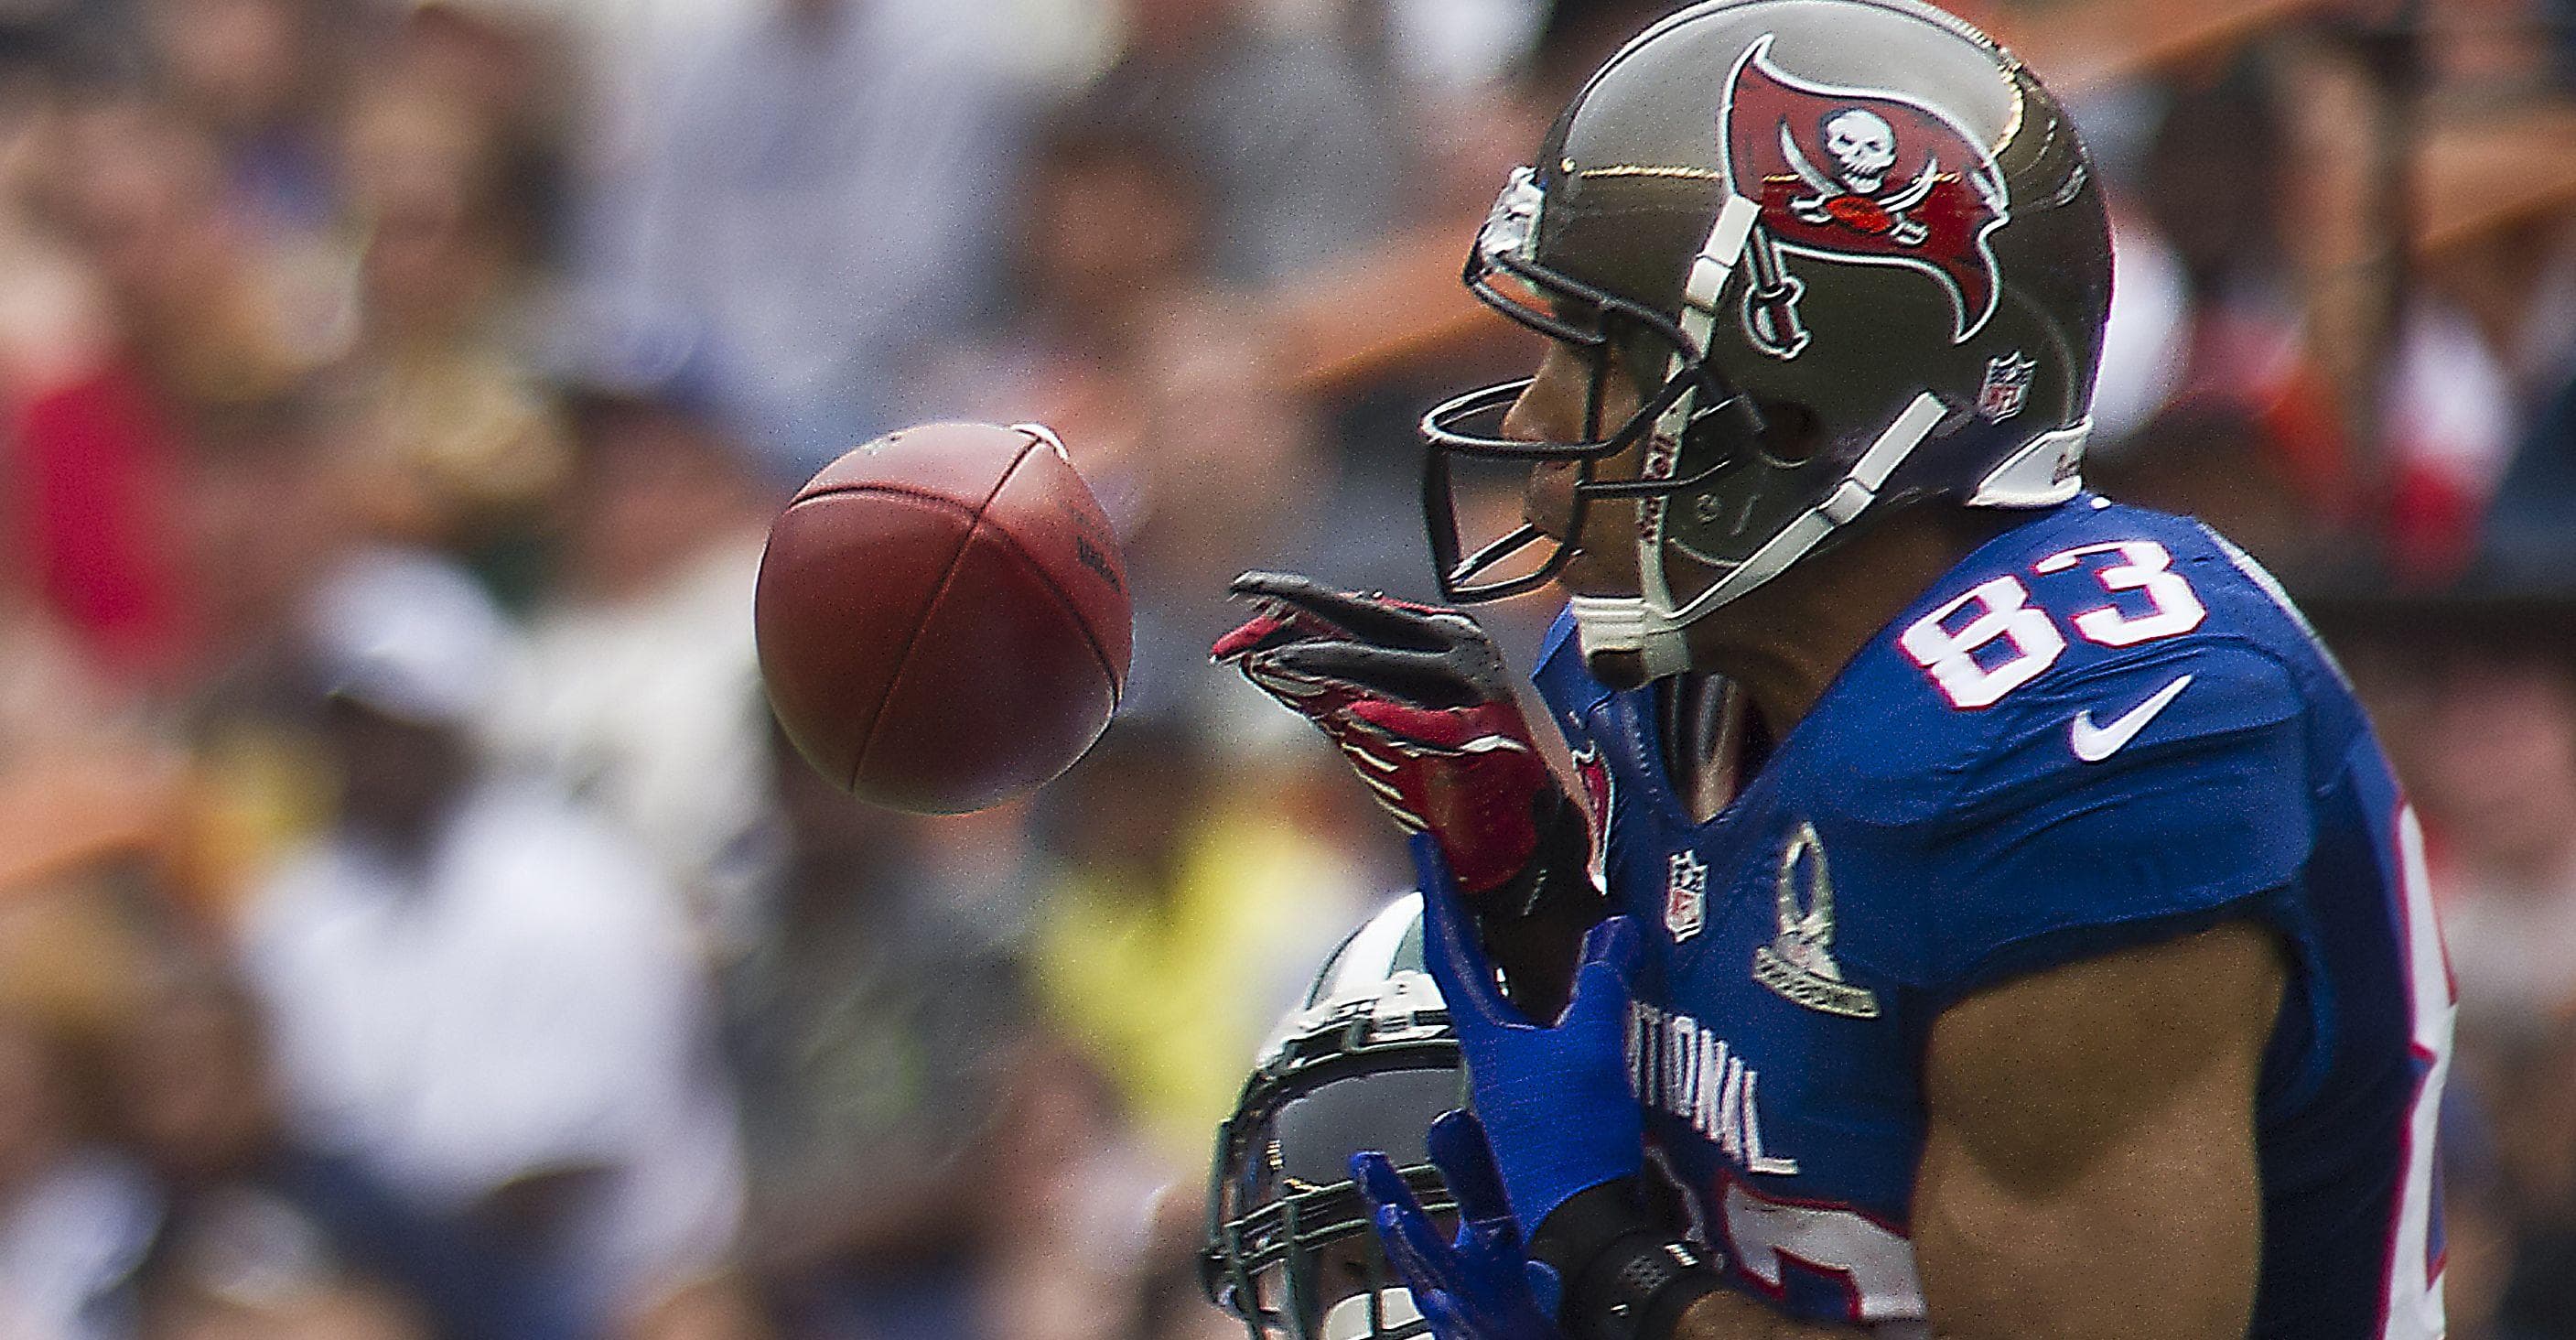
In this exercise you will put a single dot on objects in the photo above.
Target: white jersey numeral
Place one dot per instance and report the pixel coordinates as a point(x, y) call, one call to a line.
point(2177, 609)
point(1874, 1263)
point(2004, 612)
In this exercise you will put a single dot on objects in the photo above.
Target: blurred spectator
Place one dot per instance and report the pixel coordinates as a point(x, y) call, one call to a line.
point(2145, 345)
point(2450, 437)
point(88, 450)
point(1174, 400)
point(2529, 1081)
point(1177, 924)
point(815, 201)
point(2528, 537)
point(213, 315)
point(75, 1219)
point(2496, 775)
point(89, 801)
point(2215, 464)
point(640, 688)
point(264, 1236)
point(1072, 1205)
point(265, 508)
point(265, 496)
point(2215, 183)
point(480, 995)
point(1115, 235)
point(1291, 132)
point(1236, 467)
point(878, 1015)
point(461, 446)
point(256, 74)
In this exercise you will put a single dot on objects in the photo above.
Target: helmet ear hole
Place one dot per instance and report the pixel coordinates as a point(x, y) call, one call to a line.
point(1792, 433)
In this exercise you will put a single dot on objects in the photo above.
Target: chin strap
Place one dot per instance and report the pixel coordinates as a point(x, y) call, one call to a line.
point(1631, 626)
point(1652, 630)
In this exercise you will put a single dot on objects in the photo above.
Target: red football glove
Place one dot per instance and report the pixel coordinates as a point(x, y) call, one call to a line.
point(1419, 701)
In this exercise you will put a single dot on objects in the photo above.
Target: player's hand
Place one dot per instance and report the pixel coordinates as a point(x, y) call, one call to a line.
point(1420, 702)
point(1555, 1101)
point(1481, 1285)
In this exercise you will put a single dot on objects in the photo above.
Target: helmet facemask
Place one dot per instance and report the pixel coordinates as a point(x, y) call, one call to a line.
point(1292, 1248)
point(1365, 1062)
point(1692, 400)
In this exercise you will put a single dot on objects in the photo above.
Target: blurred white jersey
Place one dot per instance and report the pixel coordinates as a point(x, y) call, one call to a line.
point(527, 1002)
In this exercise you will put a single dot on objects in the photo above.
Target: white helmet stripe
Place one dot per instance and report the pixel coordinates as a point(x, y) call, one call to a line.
point(1709, 272)
point(1848, 500)
point(1710, 269)
point(1370, 957)
point(1898, 442)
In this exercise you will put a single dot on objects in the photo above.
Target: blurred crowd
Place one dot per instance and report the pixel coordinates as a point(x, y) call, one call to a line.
point(411, 925)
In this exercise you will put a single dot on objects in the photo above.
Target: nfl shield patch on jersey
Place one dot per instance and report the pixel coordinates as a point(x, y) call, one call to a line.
point(1686, 896)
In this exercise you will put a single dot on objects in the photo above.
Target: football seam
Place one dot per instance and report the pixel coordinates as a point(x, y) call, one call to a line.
point(978, 521)
point(947, 576)
point(1072, 611)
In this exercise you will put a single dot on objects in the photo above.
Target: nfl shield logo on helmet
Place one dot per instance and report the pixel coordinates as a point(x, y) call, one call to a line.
point(2007, 386)
point(1686, 896)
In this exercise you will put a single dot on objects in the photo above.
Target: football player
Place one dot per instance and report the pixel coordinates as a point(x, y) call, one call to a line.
point(1366, 1061)
point(2007, 924)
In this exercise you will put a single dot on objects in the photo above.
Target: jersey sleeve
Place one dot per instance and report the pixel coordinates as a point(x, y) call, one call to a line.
point(2201, 816)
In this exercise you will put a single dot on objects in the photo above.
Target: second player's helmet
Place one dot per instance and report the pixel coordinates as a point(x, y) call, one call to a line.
point(1365, 1061)
point(1859, 220)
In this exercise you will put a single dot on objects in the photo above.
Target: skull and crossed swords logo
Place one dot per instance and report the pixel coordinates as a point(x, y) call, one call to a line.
point(1864, 176)
point(1863, 146)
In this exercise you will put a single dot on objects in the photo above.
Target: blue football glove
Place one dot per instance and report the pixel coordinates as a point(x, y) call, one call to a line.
point(1482, 1286)
point(1556, 1103)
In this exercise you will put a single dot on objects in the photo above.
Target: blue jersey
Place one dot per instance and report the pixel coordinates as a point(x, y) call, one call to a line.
point(2101, 729)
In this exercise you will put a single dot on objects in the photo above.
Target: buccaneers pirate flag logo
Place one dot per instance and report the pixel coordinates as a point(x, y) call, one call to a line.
point(1856, 176)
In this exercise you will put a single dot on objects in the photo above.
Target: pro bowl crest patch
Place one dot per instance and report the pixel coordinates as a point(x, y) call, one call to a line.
point(1799, 964)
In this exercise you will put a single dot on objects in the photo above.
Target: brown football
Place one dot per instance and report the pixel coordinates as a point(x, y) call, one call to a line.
point(942, 617)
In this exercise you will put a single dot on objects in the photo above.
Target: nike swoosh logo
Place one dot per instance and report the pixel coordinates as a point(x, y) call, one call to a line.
point(2095, 743)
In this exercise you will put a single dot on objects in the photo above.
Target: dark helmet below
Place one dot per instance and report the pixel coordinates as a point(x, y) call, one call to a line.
point(1365, 1061)
point(1851, 255)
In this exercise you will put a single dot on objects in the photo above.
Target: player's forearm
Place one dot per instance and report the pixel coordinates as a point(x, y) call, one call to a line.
point(1733, 1316)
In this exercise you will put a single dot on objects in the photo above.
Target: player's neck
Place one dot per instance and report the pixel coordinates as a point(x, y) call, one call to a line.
point(1787, 640)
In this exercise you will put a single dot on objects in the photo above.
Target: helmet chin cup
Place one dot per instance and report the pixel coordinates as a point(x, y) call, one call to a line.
point(1626, 625)
point(1373, 1313)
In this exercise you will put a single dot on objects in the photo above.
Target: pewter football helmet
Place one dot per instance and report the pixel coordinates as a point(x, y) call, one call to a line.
point(1858, 219)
